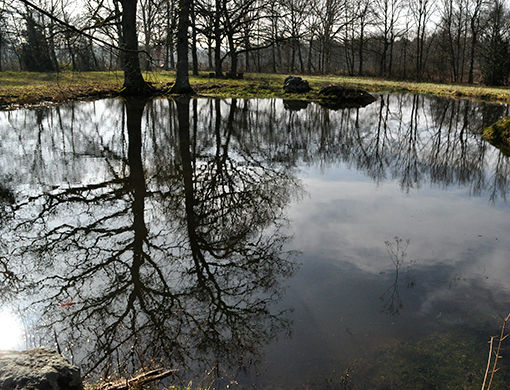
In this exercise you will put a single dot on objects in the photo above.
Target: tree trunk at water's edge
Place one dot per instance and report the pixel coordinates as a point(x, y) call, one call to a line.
point(134, 84)
point(182, 85)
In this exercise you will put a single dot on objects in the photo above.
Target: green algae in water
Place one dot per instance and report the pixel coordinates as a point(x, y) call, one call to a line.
point(446, 361)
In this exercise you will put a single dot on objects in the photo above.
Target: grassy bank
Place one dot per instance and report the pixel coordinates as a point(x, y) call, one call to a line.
point(25, 88)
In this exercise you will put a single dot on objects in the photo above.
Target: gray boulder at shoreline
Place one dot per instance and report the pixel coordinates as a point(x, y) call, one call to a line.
point(37, 369)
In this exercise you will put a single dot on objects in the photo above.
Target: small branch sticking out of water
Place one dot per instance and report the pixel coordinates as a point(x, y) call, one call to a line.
point(491, 343)
point(497, 356)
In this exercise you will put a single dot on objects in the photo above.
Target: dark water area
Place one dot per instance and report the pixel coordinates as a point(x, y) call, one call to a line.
point(258, 243)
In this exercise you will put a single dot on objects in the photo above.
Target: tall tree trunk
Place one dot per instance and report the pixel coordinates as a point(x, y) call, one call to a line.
point(474, 24)
point(418, 47)
point(93, 54)
point(360, 47)
point(233, 56)
point(133, 80)
point(247, 46)
point(274, 32)
point(147, 47)
point(390, 65)
point(258, 61)
point(472, 56)
point(70, 48)
point(147, 27)
point(292, 62)
point(463, 55)
point(210, 52)
point(404, 62)
point(194, 55)
point(118, 25)
point(217, 38)
point(182, 85)
point(273, 57)
point(172, 31)
point(172, 49)
point(167, 36)
point(309, 64)
point(300, 56)
point(382, 66)
point(51, 47)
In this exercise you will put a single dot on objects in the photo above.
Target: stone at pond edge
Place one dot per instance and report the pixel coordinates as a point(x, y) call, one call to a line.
point(294, 84)
point(336, 97)
point(37, 369)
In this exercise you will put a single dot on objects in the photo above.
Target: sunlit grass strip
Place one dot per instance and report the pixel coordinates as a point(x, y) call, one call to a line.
point(26, 88)
point(499, 94)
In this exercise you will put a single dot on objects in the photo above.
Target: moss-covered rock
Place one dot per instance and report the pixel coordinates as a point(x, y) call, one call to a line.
point(498, 135)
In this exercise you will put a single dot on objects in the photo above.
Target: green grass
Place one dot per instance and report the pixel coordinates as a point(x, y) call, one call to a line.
point(27, 88)
point(498, 135)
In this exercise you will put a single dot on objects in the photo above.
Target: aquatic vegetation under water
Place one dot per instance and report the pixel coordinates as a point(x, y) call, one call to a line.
point(437, 361)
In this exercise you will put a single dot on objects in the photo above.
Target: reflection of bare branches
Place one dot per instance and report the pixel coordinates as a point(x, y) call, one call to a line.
point(8, 279)
point(397, 250)
point(180, 268)
point(405, 137)
point(410, 138)
point(500, 183)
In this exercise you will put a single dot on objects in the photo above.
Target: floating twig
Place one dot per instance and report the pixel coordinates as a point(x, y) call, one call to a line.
point(139, 380)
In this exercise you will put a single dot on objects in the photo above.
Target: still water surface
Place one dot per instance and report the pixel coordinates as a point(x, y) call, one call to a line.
point(262, 242)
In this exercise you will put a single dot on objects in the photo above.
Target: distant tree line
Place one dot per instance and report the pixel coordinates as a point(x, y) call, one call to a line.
point(462, 41)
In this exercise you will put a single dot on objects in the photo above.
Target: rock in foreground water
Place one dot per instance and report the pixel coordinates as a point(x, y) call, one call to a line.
point(37, 369)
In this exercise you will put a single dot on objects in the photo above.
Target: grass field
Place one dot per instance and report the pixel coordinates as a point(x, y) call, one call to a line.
point(27, 88)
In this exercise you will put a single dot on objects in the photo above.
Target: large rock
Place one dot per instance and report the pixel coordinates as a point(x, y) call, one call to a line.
point(294, 84)
point(336, 97)
point(37, 369)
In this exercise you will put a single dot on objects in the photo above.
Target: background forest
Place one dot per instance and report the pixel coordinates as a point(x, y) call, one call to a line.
point(460, 41)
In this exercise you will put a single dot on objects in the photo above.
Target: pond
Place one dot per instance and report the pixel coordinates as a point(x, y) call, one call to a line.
point(258, 243)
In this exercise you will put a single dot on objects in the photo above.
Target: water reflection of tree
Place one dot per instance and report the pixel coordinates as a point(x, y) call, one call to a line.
point(409, 138)
point(180, 267)
point(180, 249)
point(397, 251)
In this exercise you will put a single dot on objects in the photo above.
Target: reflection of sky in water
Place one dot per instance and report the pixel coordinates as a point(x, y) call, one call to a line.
point(11, 330)
point(344, 297)
point(341, 216)
point(455, 275)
